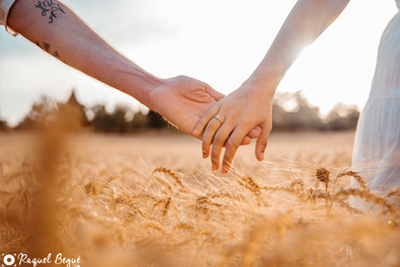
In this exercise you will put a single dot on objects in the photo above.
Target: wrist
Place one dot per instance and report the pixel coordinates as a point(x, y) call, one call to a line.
point(141, 85)
point(150, 90)
point(153, 95)
point(268, 74)
point(264, 83)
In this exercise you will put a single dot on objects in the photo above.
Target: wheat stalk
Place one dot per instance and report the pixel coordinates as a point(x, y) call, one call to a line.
point(356, 176)
point(368, 196)
point(322, 175)
point(395, 192)
point(183, 226)
point(154, 225)
point(90, 189)
point(170, 173)
point(166, 206)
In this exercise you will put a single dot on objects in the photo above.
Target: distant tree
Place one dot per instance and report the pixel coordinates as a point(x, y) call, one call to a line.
point(99, 118)
point(44, 110)
point(4, 126)
point(156, 120)
point(118, 119)
point(115, 121)
point(290, 112)
point(41, 113)
point(71, 114)
point(343, 117)
point(302, 116)
point(139, 122)
point(306, 116)
point(68, 116)
point(27, 124)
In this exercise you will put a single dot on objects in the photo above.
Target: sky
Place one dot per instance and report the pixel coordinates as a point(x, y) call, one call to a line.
point(218, 41)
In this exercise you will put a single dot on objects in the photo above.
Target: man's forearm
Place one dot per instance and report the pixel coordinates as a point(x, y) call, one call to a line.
point(60, 32)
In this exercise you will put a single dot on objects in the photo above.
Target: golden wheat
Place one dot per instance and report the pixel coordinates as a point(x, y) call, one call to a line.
point(156, 216)
point(356, 176)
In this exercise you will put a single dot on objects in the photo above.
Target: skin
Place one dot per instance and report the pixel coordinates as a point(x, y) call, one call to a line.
point(57, 30)
point(250, 105)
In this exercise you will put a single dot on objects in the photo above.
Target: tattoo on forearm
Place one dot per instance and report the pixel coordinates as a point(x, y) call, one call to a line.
point(46, 47)
point(55, 54)
point(49, 8)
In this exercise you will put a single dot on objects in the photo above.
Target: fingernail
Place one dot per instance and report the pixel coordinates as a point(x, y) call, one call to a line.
point(262, 157)
point(204, 154)
point(214, 167)
point(195, 131)
point(225, 170)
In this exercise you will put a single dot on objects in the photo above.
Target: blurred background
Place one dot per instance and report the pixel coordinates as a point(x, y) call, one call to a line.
point(219, 42)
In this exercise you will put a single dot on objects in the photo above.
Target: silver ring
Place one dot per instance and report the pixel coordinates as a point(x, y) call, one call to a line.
point(217, 117)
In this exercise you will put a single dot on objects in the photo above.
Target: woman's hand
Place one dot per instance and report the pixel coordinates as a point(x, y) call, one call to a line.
point(183, 100)
point(229, 120)
point(250, 105)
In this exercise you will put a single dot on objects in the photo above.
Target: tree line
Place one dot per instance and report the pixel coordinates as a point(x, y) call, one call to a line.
point(290, 112)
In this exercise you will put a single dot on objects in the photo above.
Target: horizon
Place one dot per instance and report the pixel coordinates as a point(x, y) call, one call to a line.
point(287, 104)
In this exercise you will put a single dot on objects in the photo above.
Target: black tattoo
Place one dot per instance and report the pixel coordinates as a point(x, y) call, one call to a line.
point(48, 7)
point(46, 46)
point(56, 55)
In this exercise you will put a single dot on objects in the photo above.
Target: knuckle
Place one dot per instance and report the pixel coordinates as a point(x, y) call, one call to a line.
point(233, 142)
point(263, 144)
point(218, 140)
point(205, 146)
point(215, 159)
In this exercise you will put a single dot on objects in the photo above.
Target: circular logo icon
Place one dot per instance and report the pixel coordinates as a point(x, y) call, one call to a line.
point(8, 260)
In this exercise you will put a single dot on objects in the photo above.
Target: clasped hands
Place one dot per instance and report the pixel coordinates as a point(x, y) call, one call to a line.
point(218, 120)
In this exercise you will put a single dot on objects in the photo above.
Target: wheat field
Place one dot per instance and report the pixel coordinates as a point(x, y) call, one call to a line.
point(151, 200)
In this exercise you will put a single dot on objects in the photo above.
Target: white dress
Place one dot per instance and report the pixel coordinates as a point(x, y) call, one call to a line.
point(376, 154)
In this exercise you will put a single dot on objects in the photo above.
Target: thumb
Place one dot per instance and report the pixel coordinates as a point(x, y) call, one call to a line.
point(214, 93)
point(255, 132)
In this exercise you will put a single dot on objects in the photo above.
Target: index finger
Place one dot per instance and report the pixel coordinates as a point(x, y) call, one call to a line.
point(204, 119)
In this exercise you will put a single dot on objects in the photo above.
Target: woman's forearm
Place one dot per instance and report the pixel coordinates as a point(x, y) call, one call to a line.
point(251, 104)
point(305, 23)
point(60, 32)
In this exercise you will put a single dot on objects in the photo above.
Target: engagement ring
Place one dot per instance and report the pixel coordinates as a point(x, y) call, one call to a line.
point(217, 117)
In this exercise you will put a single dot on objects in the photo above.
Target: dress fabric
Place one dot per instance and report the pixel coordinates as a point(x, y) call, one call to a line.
point(5, 6)
point(376, 154)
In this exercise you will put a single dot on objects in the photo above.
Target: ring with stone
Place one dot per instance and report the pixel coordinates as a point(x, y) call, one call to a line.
point(217, 117)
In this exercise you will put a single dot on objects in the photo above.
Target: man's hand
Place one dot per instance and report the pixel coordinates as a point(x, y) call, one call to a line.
point(183, 100)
